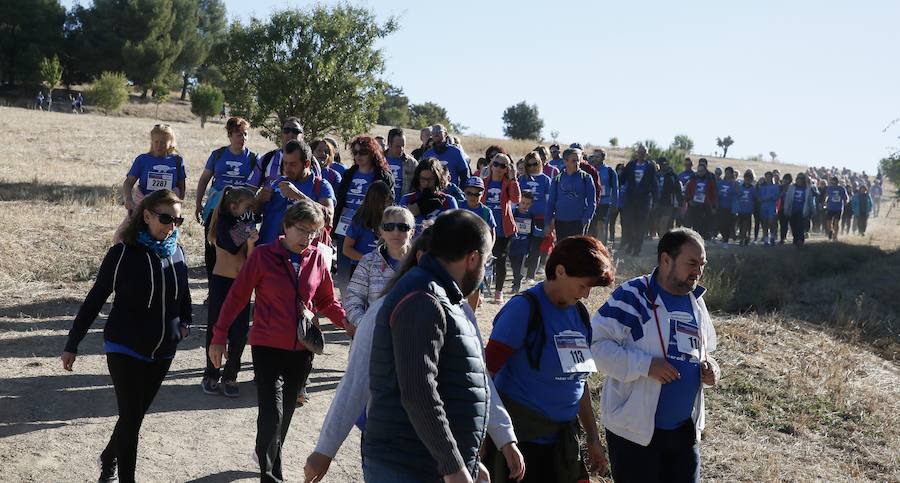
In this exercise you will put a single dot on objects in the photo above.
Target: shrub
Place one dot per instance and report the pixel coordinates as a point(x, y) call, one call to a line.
point(109, 92)
point(206, 100)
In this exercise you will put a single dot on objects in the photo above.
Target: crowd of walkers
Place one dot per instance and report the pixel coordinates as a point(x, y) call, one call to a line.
point(398, 249)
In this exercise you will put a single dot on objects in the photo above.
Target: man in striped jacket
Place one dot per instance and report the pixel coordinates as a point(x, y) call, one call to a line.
point(652, 338)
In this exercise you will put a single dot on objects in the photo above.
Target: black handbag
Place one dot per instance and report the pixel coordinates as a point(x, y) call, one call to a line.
point(308, 332)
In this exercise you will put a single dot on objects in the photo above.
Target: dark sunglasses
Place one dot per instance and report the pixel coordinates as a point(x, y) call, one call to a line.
point(500, 165)
point(532, 165)
point(359, 151)
point(291, 130)
point(395, 226)
point(167, 219)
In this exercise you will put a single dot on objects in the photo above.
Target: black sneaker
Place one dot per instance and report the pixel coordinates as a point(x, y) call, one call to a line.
point(108, 471)
point(210, 386)
point(230, 389)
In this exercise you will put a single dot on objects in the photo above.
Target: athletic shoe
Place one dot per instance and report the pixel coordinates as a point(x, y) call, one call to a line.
point(230, 389)
point(498, 297)
point(109, 472)
point(209, 386)
point(516, 288)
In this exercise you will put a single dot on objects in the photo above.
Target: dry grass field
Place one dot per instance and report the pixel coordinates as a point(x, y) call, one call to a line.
point(811, 387)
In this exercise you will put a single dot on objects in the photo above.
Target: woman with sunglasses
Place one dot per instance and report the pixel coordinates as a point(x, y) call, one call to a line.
point(378, 266)
point(369, 166)
point(150, 314)
point(533, 179)
point(428, 200)
point(291, 280)
point(229, 165)
point(160, 168)
point(501, 191)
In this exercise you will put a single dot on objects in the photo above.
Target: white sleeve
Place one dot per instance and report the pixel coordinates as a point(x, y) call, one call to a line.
point(613, 358)
point(352, 394)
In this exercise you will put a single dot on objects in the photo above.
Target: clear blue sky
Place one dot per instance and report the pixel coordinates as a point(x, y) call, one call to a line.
point(814, 81)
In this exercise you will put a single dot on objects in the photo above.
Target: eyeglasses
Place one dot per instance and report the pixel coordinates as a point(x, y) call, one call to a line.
point(474, 194)
point(309, 234)
point(357, 152)
point(500, 165)
point(395, 226)
point(162, 125)
point(291, 130)
point(167, 219)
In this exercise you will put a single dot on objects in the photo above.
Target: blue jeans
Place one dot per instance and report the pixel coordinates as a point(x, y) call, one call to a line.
point(377, 472)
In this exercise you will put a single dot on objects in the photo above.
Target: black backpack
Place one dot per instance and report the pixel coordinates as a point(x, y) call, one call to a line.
point(535, 337)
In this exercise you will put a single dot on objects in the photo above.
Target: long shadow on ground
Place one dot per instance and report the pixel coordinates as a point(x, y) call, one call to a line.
point(57, 193)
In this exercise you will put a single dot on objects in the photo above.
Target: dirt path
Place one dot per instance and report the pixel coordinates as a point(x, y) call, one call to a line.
point(53, 424)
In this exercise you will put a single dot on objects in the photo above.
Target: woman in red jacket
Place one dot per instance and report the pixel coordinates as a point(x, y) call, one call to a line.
point(501, 191)
point(291, 278)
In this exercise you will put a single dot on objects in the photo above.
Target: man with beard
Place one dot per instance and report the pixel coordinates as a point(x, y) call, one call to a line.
point(451, 156)
point(429, 383)
point(653, 338)
point(269, 166)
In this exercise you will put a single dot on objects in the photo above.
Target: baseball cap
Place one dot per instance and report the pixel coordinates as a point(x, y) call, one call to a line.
point(475, 182)
point(577, 146)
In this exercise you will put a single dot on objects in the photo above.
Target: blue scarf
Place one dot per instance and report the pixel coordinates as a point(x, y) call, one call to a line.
point(162, 249)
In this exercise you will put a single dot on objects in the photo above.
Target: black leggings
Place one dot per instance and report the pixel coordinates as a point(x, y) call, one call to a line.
point(237, 333)
point(277, 400)
point(209, 250)
point(534, 249)
point(136, 383)
point(501, 247)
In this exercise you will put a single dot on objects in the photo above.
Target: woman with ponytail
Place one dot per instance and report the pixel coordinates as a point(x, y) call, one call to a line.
point(234, 240)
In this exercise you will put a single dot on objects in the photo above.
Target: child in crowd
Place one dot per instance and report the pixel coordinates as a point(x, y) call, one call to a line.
point(518, 247)
point(474, 187)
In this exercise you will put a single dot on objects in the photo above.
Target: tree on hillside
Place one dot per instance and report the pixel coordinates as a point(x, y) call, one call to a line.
point(724, 143)
point(206, 100)
point(428, 114)
point(319, 64)
point(30, 30)
point(50, 73)
point(683, 142)
point(198, 37)
point(394, 111)
point(772, 155)
point(149, 57)
point(521, 121)
point(614, 142)
point(109, 92)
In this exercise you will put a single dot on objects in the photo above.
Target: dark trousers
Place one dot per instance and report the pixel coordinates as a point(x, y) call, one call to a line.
point(599, 228)
point(534, 254)
point(277, 400)
point(565, 229)
point(672, 456)
point(726, 224)
point(785, 221)
point(862, 222)
point(209, 251)
point(743, 223)
point(699, 218)
point(136, 383)
point(634, 226)
point(613, 216)
point(501, 247)
point(798, 229)
point(237, 333)
point(846, 220)
point(539, 467)
point(517, 262)
point(757, 222)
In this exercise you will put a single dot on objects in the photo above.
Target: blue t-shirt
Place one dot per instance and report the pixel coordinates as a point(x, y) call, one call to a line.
point(356, 193)
point(660, 180)
point(230, 169)
point(799, 198)
point(332, 176)
point(836, 197)
point(364, 239)
point(273, 211)
point(540, 186)
point(559, 164)
point(623, 188)
point(548, 390)
point(396, 165)
point(639, 169)
point(518, 246)
point(745, 199)
point(155, 173)
point(768, 194)
point(114, 348)
point(684, 177)
point(725, 197)
point(453, 159)
point(700, 191)
point(484, 213)
point(492, 201)
point(676, 399)
point(573, 197)
point(449, 204)
point(340, 168)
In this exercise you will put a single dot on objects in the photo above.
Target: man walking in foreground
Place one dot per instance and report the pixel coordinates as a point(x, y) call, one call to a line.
point(653, 338)
point(429, 408)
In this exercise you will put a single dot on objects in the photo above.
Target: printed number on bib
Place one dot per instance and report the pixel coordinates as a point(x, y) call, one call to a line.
point(699, 196)
point(345, 221)
point(688, 339)
point(524, 226)
point(159, 181)
point(574, 352)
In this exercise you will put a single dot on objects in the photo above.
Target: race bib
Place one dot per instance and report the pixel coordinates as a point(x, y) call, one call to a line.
point(700, 196)
point(638, 175)
point(159, 181)
point(835, 198)
point(524, 226)
point(688, 339)
point(344, 222)
point(574, 352)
